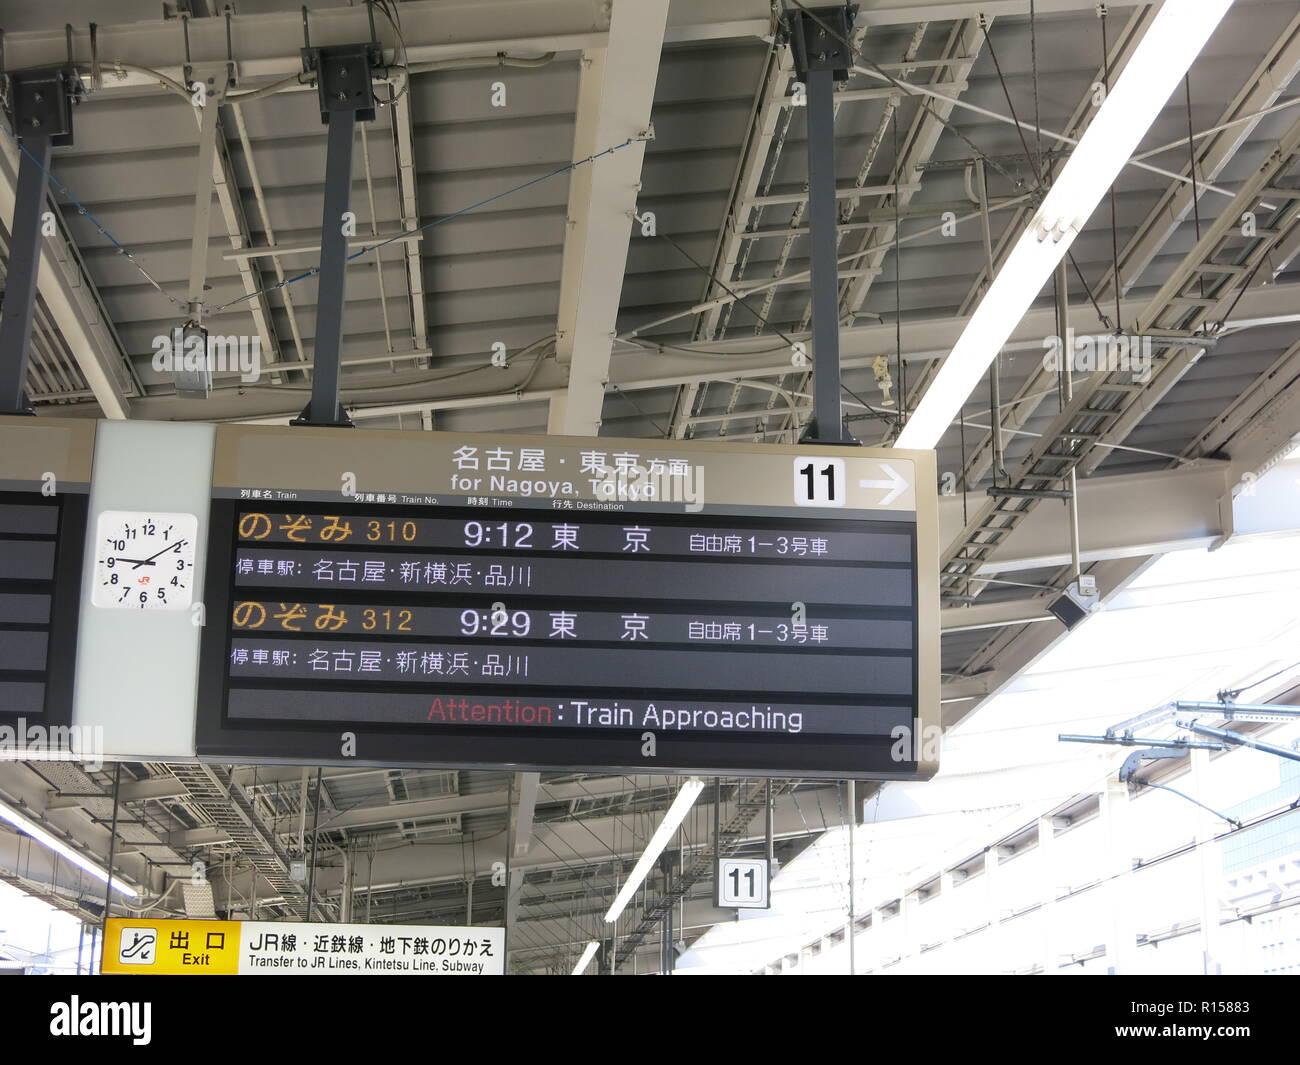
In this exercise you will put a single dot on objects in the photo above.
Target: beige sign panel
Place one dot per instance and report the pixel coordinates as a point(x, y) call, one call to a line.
point(431, 468)
point(42, 453)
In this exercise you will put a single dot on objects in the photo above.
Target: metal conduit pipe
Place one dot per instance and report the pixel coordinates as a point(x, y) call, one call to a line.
point(302, 81)
point(1242, 739)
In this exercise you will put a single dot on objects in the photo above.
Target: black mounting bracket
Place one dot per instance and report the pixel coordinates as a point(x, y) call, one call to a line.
point(1136, 760)
point(819, 39)
point(39, 103)
point(339, 421)
point(343, 73)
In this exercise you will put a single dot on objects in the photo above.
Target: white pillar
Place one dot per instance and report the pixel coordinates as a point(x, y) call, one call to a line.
point(1210, 865)
point(993, 907)
point(1121, 939)
point(1047, 895)
point(911, 946)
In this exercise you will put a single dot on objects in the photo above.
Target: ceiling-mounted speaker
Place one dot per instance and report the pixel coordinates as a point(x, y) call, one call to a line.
point(1078, 601)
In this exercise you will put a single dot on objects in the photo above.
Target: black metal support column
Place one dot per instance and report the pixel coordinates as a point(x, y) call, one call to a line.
point(346, 98)
point(41, 115)
point(666, 952)
point(822, 57)
point(325, 408)
point(112, 847)
point(315, 839)
point(24, 262)
point(827, 424)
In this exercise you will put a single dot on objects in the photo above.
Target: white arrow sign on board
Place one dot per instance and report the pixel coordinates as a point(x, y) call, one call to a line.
point(897, 485)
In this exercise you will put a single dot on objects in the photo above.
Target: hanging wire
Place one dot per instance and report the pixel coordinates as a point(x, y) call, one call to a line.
point(913, 90)
point(1033, 63)
point(906, 88)
point(85, 211)
point(1230, 694)
point(389, 11)
point(1183, 795)
point(1191, 162)
point(965, 517)
point(762, 319)
point(1114, 234)
point(431, 223)
point(1006, 92)
point(898, 293)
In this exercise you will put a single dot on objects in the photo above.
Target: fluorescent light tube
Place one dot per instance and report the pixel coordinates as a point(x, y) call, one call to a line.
point(31, 828)
point(672, 819)
point(588, 952)
point(1175, 38)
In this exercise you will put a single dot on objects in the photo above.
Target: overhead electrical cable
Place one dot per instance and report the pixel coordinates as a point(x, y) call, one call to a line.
point(432, 222)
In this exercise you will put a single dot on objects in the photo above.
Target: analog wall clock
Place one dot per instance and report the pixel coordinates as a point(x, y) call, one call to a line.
point(144, 560)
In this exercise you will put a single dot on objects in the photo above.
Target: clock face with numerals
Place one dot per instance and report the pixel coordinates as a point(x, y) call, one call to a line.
point(144, 560)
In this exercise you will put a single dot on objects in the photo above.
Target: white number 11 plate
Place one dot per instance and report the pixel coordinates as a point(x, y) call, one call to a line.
point(743, 883)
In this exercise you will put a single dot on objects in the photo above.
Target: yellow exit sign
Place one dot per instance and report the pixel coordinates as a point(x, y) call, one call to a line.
point(134, 946)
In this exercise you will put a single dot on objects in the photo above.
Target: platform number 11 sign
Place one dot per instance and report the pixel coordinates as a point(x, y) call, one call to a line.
point(742, 883)
point(819, 482)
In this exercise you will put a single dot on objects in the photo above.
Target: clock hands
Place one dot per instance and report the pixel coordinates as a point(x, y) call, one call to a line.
point(138, 562)
point(150, 560)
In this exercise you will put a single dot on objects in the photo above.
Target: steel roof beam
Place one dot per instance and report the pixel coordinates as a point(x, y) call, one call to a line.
point(1027, 399)
point(359, 817)
point(1120, 517)
point(615, 93)
point(753, 173)
point(745, 357)
point(559, 845)
point(523, 808)
point(906, 12)
point(408, 198)
point(744, 209)
point(151, 790)
point(220, 177)
point(83, 822)
point(1261, 424)
point(238, 233)
point(965, 43)
point(1169, 302)
point(1271, 78)
point(1077, 436)
point(73, 302)
point(267, 46)
point(963, 46)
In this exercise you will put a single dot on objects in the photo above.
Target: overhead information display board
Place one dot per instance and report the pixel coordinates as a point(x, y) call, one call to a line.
point(45, 468)
point(455, 599)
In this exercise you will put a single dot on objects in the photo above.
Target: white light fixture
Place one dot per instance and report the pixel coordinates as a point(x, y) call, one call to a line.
point(31, 828)
point(1175, 38)
point(672, 819)
point(588, 952)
